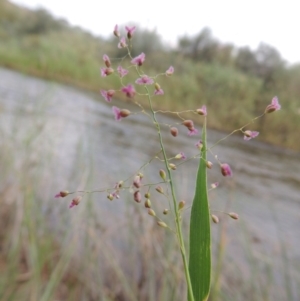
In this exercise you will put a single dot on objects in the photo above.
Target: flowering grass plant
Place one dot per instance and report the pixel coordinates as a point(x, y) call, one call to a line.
point(196, 262)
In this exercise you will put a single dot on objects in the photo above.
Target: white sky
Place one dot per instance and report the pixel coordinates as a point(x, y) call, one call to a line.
point(275, 22)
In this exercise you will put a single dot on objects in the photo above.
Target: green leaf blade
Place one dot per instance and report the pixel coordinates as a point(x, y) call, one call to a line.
point(200, 240)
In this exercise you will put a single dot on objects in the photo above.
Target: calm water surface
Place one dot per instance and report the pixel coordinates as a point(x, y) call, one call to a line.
point(72, 139)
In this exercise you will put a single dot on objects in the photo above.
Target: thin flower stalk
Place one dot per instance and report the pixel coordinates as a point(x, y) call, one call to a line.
point(174, 198)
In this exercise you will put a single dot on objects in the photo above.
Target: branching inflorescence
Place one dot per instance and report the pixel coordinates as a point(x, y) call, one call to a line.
point(135, 183)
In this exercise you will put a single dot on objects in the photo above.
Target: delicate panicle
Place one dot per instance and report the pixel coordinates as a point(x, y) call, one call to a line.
point(197, 266)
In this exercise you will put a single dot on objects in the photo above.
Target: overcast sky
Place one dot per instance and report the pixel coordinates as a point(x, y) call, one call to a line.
point(241, 22)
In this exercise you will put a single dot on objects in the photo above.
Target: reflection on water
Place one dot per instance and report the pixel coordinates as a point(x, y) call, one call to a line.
point(78, 145)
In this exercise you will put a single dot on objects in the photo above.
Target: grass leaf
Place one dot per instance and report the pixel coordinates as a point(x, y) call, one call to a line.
point(200, 242)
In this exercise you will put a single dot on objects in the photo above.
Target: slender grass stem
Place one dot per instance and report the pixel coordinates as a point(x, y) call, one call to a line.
point(176, 211)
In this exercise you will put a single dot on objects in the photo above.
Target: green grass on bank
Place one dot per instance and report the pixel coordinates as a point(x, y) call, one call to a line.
point(72, 56)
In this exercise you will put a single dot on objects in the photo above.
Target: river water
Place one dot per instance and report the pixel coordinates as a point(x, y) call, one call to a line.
point(72, 137)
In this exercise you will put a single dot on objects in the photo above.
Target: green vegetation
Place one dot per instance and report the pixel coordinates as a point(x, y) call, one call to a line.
point(236, 84)
point(200, 241)
point(82, 256)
